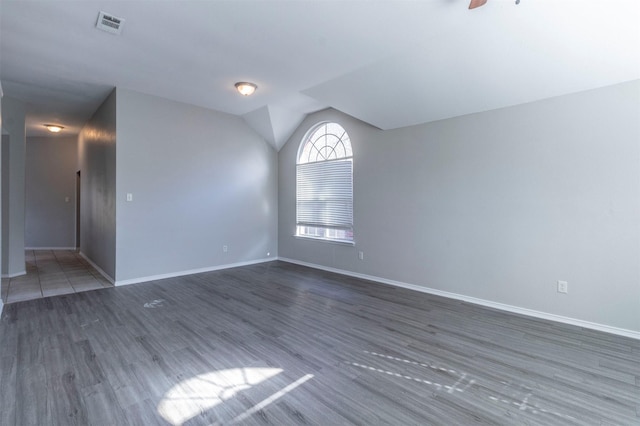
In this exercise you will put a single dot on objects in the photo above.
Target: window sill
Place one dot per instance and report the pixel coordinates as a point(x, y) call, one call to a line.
point(326, 240)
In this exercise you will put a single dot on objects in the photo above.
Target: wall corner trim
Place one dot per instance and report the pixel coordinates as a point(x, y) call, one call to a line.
point(97, 268)
point(191, 271)
point(495, 305)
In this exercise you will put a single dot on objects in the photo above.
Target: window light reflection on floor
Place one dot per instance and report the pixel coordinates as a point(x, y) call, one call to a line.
point(200, 393)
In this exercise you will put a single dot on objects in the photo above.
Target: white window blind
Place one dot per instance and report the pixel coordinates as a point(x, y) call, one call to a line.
point(325, 194)
point(324, 184)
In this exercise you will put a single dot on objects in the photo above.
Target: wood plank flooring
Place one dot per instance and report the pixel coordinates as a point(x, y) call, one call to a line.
point(52, 273)
point(281, 344)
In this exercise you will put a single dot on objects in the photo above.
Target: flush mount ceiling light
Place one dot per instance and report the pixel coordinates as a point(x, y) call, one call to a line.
point(53, 128)
point(245, 88)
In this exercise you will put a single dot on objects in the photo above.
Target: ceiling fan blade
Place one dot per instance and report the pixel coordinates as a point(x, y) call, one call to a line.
point(476, 3)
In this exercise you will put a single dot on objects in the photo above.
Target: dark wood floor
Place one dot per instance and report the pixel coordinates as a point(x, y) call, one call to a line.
point(277, 343)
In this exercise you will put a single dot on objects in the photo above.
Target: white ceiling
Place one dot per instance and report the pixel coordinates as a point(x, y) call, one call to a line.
point(389, 63)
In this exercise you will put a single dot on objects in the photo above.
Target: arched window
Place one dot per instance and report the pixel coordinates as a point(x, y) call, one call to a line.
point(324, 184)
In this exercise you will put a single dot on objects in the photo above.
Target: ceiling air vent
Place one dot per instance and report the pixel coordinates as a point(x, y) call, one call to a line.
point(109, 23)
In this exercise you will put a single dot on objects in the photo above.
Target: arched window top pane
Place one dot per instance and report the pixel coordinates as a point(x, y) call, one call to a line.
point(326, 141)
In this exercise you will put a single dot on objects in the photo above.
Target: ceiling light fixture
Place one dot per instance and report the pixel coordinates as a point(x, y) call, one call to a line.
point(245, 88)
point(53, 128)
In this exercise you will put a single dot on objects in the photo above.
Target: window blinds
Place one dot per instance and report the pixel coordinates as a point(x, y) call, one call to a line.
point(325, 194)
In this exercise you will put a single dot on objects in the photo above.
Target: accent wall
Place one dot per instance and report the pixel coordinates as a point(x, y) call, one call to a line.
point(496, 206)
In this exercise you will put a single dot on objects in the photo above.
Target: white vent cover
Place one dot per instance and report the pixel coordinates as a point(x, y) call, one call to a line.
point(109, 23)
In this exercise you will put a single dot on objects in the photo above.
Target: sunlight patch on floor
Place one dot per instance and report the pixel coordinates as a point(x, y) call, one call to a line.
point(203, 392)
point(265, 402)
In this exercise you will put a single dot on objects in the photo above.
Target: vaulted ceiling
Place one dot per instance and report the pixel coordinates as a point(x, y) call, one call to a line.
point(389, 63)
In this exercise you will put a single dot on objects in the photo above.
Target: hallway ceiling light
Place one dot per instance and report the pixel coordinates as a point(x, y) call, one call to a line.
point(54, 128)
point(245, 88)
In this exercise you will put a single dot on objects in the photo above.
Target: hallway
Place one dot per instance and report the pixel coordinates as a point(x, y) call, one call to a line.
point(52, 273)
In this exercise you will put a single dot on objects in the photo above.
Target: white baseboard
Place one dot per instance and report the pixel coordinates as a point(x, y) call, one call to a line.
point(50, 248)
point(17, 274)
point(97, 268)
point(501, 306)
point(192, 271)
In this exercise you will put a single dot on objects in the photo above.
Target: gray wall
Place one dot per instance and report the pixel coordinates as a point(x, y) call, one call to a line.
point(2, 232)
point(200, 179)
point(497, 205)
point(97, 161)
point(5, 203)
point(51, 166)
point(13, 121)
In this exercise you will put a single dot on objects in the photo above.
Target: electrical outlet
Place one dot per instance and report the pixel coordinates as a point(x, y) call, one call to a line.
point(563, 287)
point(361, 255)
point(225, 249)
point(129, 196)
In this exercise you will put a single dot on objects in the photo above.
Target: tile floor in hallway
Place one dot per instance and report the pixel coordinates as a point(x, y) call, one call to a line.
point(52, 273)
